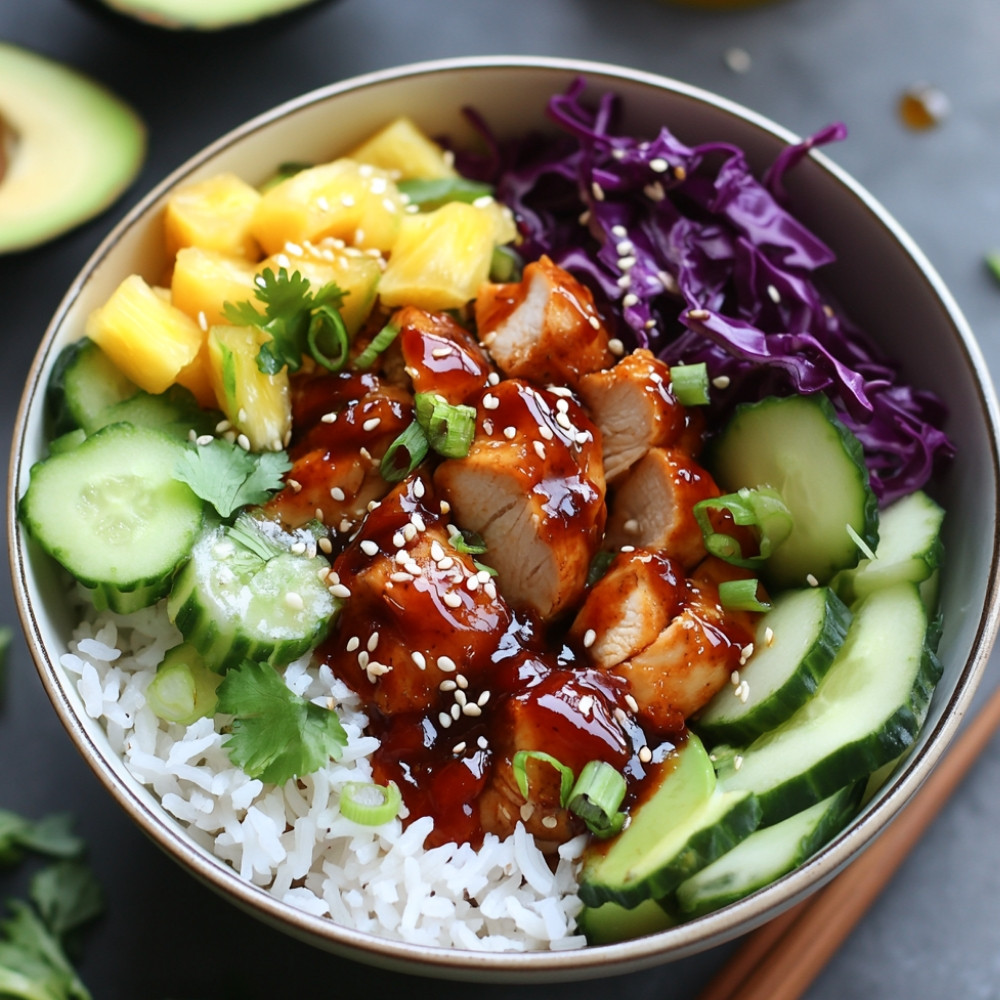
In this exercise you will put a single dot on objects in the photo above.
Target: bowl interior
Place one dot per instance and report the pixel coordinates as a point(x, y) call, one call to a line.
point(885, 285)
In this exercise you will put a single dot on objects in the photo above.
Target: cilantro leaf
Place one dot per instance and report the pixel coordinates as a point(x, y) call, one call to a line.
point(67, 896)
point(228, 477)
point(276, 733)
point(50, 835)
point(33, 965)
point(297, 320)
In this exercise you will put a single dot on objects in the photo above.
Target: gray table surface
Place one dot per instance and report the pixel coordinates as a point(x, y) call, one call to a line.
point(935, 931)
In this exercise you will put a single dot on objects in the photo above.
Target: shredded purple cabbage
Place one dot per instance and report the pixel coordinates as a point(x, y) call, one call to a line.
point(693, 257)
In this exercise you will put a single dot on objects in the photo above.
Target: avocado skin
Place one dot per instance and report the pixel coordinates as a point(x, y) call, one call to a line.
point(138, 26)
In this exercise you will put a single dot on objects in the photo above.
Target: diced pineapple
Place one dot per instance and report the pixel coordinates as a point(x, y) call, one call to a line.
point(345, 200)
point(197, 377)
point(440, 258)
point(257, 405)
point(405, 151)
point(205, 279)
point(147, 337)
point(214, 214)
point(356, 274)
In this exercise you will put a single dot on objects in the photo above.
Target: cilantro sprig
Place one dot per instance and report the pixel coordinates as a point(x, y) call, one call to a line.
point(228, 477)
point(40, 936)
point(276, 734)
point(298, 320)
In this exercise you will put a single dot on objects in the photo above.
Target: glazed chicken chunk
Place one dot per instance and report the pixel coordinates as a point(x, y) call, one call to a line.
point(544, 328)
point(532, 486)
point(634, 408)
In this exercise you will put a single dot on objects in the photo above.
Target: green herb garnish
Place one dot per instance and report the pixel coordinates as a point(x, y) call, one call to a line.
point(276, 734)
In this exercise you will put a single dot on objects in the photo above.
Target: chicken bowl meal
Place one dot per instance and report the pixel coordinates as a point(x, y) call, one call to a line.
point(509, 517)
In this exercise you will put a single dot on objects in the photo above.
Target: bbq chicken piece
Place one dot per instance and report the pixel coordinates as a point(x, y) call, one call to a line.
point(532, 486)
point(569, 714)
point(344, 423)
point(694, 657)
point(652, 507)
point(627, 609)
point(440, 355)
point(419, 613)
point(634, 407)
point(544, 328)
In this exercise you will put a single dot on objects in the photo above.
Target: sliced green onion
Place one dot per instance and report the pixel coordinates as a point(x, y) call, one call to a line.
point(761, 508)
point(450, 427)
point(596, 796)
point(866, 550)
point(690, 384)
point(468, 542)
point(741, 595)
point(413, 443)
point(566, 779)
point(184, 688)
point(327, 338)
point(483, 568)
point(245, 531)
point(284, 171)
point(370, 804)
point(993, 263)
point(431, 193)
point(506, 264)
point(603, 558)
point(378, 344)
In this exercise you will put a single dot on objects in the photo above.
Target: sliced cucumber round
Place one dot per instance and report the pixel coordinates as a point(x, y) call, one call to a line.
point(866, 711)
point(233, 601)
point(111, 512)
point(767, 854)
point(909, 548)
point(798, 446)
point(683, 823)
point(795, 644)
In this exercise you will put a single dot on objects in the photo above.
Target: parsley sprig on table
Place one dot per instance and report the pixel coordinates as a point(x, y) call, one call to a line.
point(299, 321)
point(276, 734)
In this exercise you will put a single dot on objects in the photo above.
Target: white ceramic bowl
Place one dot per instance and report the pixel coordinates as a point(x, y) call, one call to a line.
point(906, 306)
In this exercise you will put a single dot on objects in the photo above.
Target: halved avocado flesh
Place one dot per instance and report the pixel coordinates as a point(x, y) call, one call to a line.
point(71, 148)
point(199, 15)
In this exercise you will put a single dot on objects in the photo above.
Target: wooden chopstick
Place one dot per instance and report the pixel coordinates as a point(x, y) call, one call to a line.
point(779, 960)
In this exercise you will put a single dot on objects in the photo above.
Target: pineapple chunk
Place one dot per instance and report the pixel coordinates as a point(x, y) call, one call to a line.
point(256, 404)
point(147, 337)
point(205, 279)
point(405, 151)
point(440, 258)
point(349, 201)
point(356, 274)
point(214, 214)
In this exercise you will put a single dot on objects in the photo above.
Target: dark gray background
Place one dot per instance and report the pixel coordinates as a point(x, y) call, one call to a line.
point(936, 931)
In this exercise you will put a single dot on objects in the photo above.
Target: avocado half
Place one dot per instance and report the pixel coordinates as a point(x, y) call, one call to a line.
point(68, 148)
point(199, 15)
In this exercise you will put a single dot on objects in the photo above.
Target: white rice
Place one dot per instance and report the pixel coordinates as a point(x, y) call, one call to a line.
point(293, 842)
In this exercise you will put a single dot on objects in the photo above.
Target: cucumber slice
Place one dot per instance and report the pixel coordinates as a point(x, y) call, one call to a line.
point(83, 383)
point(234, 601)
point(866, 711)
point(610, 923)
point(110, 511)
point(795, 644)
point(909, 548)
point(684, 823)
point(175, 412)
point(798, 446)
point(767, 854)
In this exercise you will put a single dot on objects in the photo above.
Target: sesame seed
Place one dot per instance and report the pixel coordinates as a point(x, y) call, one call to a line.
point(490, 402)
point(337, 493)
point(629, 300)
point(298, 548)
point(203, 439)
point(594, 321)
point(645, 755)
point(616, 347)
point(773, 294)
point(811, 580)
point(549, 822)
point(371, 423)
point(339, 590)
point(325, 545)
point(482, 743)
point(398, 541)
point(413, 568)
point(659, 165)
point(586, 704)
point(202, 320)
point(588, 638)
point(460, 697)
point(445, 719)
point(564, 422)
point(597, 191)
point(243, 441)
point(328, 418)
point(734, 678)
point(418, 488)
point(452, 599)
point(462, 681)
point(655, 191)
point(345, 525)
point(631, 526)
point(619, 231)
point(294, 600)
point(698, 314)
point(441, 352)
point(493, 378)
point(372, 643)
point(527, 811)
point(737, 762)
point(446, 664)
point(363, 658)
point(417, 521)
point(624, 281)
point(456, 710)
point(768, 636)
point(472, 583)
point(419, 659)
point(546, 432)
point(539, 449)
point(483, 698)
point(721, 381)
point(632, 703)
point(626, 263)
point(400, 577)
point(409, 531)
point(472, 709)
point(447, 685)
point(458, 748)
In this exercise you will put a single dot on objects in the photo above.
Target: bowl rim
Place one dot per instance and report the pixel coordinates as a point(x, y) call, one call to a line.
point(592, 961)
